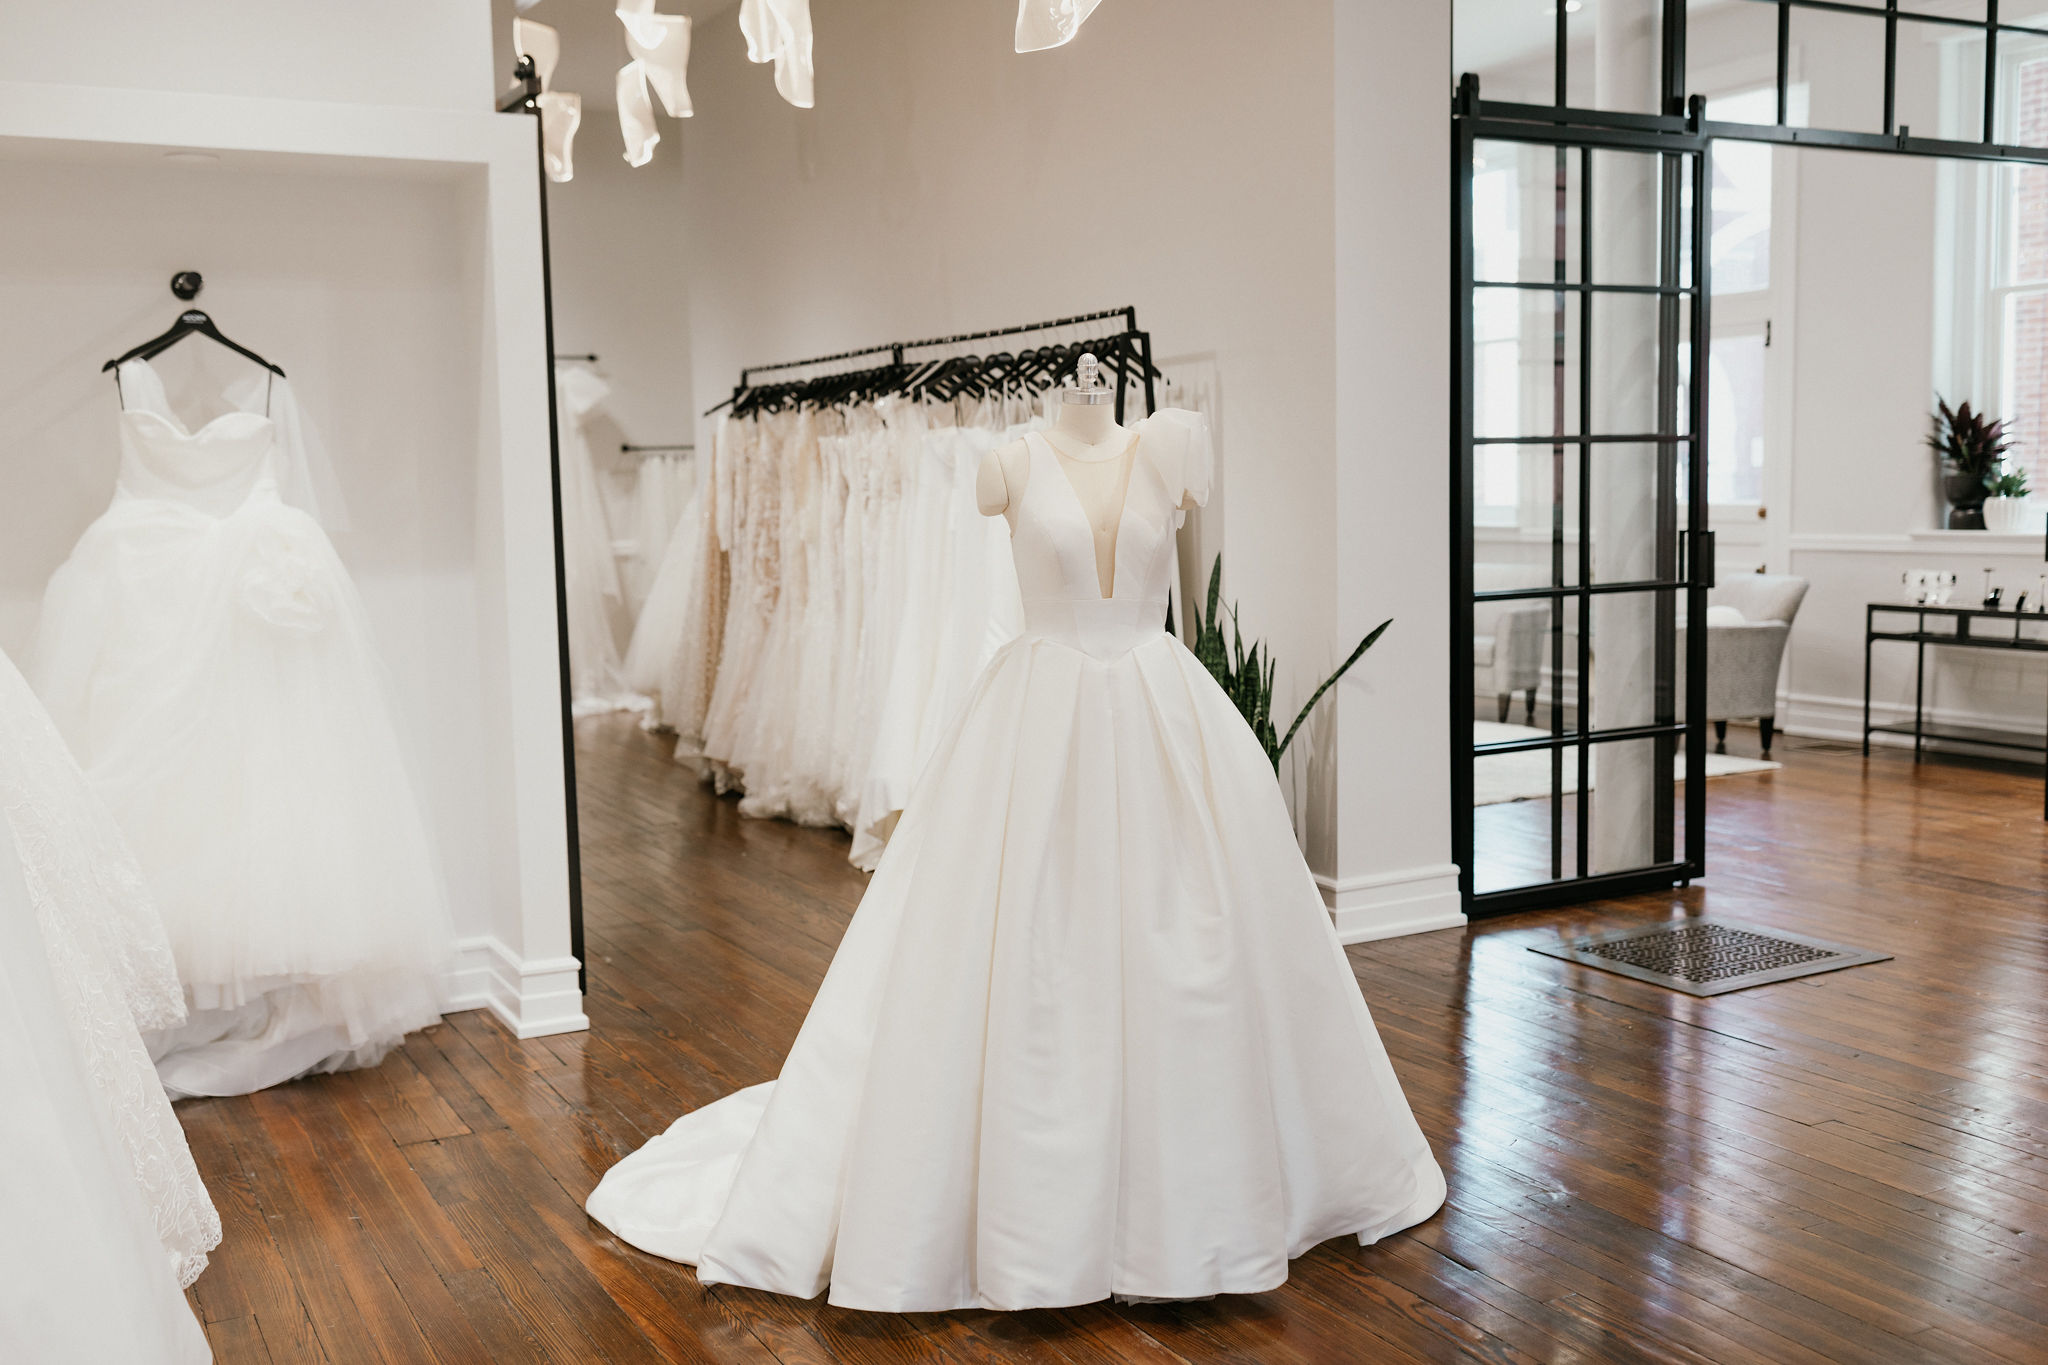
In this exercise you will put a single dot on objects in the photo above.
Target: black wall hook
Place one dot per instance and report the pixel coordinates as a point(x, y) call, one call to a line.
point(186, 284)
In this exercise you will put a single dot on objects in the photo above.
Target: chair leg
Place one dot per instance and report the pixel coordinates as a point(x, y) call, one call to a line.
point(1768, 725)
point(1504, 699)
point(1720, 736)
point(1529, 707)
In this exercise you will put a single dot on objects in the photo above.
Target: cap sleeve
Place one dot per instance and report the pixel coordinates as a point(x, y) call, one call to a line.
point(1189, 453)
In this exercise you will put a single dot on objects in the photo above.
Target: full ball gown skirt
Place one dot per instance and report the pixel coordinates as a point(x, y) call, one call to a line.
point(105, 1216)
point(1090, 1031)
point(206, 656)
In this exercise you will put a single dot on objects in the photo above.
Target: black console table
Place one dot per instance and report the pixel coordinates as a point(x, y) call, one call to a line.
point(1956, 628)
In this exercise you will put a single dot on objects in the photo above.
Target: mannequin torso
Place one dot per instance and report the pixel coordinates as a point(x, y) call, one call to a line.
point(1095, 454)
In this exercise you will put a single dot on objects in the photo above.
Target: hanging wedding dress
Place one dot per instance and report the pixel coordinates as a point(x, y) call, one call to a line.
point(106, 1218)
point(659, 662)
point(1090, 1032)
point(590, 571)
point(205, 655)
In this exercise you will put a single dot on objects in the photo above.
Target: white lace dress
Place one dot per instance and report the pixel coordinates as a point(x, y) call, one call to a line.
point(103, 1205)
point(205, 655)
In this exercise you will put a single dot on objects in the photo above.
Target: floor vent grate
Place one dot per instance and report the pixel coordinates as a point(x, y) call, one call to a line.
point(1701, 957)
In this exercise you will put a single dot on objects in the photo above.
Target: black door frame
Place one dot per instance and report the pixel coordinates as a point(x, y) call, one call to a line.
point(1682, 130)
point(1683, 199)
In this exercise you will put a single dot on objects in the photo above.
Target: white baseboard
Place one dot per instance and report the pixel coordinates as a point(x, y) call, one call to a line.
point(1813, 716)
point(533, 998)
point(1414, 900)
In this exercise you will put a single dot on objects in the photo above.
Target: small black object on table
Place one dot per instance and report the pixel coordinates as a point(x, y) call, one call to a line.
point(2023, 632)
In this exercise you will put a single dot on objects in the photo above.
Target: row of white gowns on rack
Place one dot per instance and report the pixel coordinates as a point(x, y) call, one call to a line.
point(820, 617)
point(106, 1220)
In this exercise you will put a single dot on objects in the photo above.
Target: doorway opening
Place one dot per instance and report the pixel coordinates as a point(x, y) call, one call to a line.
point(1633, 182)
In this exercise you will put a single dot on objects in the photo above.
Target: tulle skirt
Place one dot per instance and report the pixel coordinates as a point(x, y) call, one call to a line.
point(216, 679)
point(1089, 1033)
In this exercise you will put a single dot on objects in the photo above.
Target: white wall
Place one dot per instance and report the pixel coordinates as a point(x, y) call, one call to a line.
point(1176, 156)
point(621, 290)
point(359, 286)
point(420, 53)
point(1392, 870)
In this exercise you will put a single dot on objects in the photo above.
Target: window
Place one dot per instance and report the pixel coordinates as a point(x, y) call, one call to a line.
point(1739, 247)
point(2019, 297)
point(1497, 340)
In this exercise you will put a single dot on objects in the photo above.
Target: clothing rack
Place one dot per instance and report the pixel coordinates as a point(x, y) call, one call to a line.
point(895, 351)
point(628, 448)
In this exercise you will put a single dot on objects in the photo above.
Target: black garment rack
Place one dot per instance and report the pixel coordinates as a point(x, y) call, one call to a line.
point(895, 350)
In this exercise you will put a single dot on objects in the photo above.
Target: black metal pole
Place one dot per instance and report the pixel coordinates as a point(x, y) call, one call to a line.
point(1784, 62)
point(1869, 639)
point(1701, 567)
point(1462, 757)
point(1991, 70)
point(1582, 807)
point(1891, 67)
point(547, 288)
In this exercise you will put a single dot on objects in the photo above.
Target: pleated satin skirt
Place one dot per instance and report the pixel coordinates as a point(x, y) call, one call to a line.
point(1090, 1032)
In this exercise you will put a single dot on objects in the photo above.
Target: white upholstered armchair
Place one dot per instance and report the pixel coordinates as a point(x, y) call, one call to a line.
point(1508, 637)
point(1749, 619)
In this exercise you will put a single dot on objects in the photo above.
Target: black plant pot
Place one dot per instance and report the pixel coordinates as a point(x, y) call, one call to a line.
point(1966, 494)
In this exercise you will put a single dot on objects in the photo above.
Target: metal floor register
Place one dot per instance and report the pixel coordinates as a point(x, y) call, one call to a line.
point(1701, 957)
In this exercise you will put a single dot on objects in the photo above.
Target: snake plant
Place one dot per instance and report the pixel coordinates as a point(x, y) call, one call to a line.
point(1246, 674)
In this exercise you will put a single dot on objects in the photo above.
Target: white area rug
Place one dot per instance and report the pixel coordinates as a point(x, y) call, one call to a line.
point(1525, 776)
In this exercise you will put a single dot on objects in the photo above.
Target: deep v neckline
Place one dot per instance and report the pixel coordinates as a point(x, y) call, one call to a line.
point(1128, 456)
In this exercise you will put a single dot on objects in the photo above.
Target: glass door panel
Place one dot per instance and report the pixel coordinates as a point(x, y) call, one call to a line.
point(1582, 280)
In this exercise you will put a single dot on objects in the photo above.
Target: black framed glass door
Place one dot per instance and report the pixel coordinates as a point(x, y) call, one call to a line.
point(1581, 548)
point(1579, 600)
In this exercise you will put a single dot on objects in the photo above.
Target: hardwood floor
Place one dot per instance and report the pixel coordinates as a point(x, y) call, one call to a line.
point(1849, 1167)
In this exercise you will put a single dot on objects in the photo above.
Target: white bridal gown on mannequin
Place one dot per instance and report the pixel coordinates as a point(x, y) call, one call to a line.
point(1090, 1031)
point(105, 1216)
point(205, 654)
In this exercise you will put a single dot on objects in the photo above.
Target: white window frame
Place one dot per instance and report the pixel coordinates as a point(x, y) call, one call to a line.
point(1755, 535)
point(1995, 247)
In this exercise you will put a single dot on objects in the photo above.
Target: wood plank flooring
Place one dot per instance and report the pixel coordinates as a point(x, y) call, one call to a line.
point(1849, 1167)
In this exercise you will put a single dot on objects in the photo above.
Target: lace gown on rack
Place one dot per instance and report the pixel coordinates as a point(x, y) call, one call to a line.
point(206, 656)
point(104, 1208)
point(1090, 1031)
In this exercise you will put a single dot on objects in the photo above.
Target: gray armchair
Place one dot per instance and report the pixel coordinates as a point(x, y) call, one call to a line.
point(1743, 659)
point(1508, 637)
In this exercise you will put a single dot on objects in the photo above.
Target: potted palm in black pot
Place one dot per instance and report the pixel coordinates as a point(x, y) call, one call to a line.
point(1971, 448)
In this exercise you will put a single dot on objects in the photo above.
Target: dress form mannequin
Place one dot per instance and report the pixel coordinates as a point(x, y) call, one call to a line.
point(1094, 452)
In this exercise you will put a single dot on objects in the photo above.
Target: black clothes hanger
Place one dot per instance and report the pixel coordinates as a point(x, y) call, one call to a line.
point(186, 284)
point(1033, 370)
point(191, 322)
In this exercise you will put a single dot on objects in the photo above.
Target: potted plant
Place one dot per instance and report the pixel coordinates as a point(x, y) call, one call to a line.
point(2005, 503)
point(1246, 675)
point(1970, 447)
